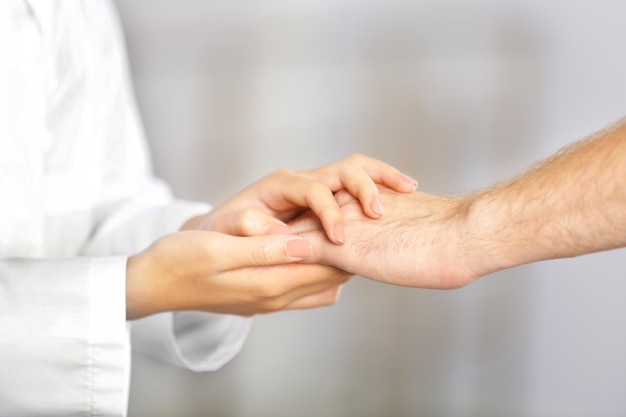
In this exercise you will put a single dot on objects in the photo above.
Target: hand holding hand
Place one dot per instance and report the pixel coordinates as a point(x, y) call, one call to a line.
point(210, 271)
point(268, 204)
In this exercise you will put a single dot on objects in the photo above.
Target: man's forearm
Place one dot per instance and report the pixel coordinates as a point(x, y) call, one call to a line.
point(571, 204)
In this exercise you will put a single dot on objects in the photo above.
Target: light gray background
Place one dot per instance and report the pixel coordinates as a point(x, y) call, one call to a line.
point(459, 94)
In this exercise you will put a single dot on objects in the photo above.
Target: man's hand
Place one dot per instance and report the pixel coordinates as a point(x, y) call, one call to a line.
point(571, 204)
point(417, 243)
point(210, 271)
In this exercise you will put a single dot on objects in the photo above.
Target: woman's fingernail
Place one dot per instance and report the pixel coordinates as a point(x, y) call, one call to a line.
point(298, 248)
point(339, 232)
point(376, 207)
point(411, 181)
point(278, 229)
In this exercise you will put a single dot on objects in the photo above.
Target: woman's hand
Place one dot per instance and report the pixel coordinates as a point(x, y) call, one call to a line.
point(211, 271)
point(267, 205)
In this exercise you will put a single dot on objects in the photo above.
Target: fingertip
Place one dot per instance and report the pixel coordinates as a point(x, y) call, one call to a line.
point(335, 232)
point(376, 207)
point(405, 185)
point(409, 182)
point(332, 219)
point(298, 248)
point(339, 234)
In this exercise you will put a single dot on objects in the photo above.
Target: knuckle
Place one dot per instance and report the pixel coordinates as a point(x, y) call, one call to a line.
point(248, 221)
point(275, 176)
point(357, 158)
point(274, 291)
point(318, 191)
point(208, 247)
point(262, 255)
point(281, 173)
point(275, 304)
point(263, 295)
point(256, 290)
point(347, 168)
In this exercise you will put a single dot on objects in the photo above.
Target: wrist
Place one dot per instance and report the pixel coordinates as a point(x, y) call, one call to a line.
point(138, 294)
point(444, 232)
point(473, 232)
point(466, 262)
point(490, 243)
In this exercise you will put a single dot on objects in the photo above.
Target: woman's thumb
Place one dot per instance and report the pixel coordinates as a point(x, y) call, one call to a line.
point(269, 250)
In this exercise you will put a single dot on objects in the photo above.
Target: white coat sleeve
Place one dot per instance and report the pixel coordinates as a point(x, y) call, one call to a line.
point(63, 339)
point(128, 224)
point(196, 340)
point(77, 200)
point(64, 347)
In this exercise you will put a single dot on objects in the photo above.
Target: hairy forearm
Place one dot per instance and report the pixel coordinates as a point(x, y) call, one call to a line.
point(571, 204)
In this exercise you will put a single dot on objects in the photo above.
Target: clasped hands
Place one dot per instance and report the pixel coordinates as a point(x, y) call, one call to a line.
point(292, 239)
point(243, 256)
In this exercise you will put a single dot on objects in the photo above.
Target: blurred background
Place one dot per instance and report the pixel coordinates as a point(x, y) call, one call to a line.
point(458, 94)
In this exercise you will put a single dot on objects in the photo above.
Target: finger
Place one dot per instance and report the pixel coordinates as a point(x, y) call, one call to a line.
point(255, 251)
point(360, 175)
point(384, 174)
point(358, 183)
point(325, 279)
point(295, 280)
point(349, 175)
point(343, 197)
point(380, 172)
point(327, 297)
point(322, 202)
point(299, 191)
point(249, 222)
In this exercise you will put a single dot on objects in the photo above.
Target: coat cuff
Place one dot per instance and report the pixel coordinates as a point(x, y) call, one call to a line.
point(195, 340)
point(63, 325)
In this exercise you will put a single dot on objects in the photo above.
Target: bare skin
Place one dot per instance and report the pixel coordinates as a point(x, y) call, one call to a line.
point(211, 271)
point(572, 204)
point(242, 258)
point(281, 196)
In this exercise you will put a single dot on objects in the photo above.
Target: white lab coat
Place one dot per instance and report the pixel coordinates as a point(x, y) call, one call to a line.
point(76, 198)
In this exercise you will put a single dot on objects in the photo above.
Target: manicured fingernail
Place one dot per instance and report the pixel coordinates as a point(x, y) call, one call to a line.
point(278, 229)
point(411, 181)
point(376, 207)
point(339, 232)
point(298, 248)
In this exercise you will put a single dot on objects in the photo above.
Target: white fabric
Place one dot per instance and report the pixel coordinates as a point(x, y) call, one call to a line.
point(76, 198)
